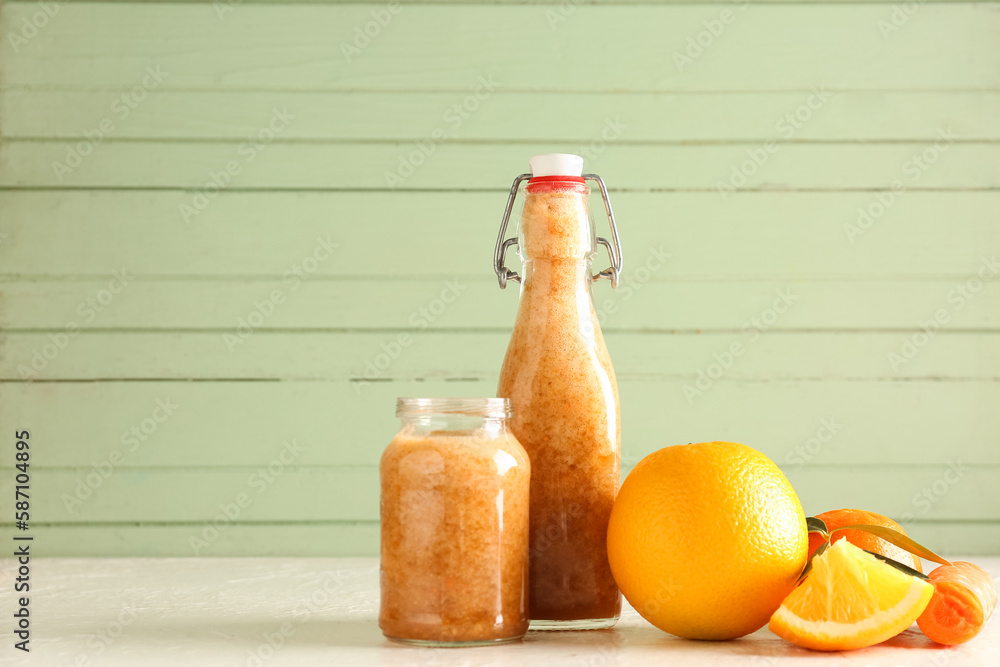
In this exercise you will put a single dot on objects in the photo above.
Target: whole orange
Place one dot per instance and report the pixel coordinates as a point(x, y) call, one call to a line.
point(706, 540)
point(836, 518)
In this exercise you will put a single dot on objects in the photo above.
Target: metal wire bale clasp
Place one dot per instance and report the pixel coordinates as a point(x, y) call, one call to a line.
point(614, 246)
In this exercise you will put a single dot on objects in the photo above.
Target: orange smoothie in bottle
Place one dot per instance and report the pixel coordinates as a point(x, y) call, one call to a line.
point(558, 376)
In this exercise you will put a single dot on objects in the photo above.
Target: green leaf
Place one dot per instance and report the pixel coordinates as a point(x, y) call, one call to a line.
point(899, 566)
point(815, 525)
point(897, 538)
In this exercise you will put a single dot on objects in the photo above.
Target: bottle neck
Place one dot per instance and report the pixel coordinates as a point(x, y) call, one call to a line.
point(555, 225)
point(558, 273)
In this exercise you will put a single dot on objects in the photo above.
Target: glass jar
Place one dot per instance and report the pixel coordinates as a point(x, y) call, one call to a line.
point(454, 510)
point(561, 383)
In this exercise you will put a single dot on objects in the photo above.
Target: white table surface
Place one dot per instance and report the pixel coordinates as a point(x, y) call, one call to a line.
point(169, 611)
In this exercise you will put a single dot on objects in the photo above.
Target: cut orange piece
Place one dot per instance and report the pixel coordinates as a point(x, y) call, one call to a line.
point(850, 599)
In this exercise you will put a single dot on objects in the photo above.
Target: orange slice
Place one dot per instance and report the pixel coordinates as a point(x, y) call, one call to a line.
point(850, 599)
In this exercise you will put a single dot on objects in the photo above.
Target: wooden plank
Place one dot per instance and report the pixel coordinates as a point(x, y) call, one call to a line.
point(641, 302)
point(299, 47)
point(366, 166)
point(951, 539)
point(645, 117)
point(275, 492)
point(768, 236)
point(492, 2)
point(952, 491)
point(333, 494)
point(272, 539)
point(829, 423)
point(675, 359)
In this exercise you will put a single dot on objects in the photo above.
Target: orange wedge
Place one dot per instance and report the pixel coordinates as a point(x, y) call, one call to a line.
point(849, 599)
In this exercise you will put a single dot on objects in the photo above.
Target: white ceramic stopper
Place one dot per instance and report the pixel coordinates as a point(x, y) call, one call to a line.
point(556, 164)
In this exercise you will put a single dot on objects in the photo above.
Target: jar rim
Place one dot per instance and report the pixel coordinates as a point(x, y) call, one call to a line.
point(493, 408)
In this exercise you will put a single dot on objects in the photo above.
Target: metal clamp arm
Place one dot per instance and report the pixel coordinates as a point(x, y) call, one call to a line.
point(500, 252)
point(614, 249)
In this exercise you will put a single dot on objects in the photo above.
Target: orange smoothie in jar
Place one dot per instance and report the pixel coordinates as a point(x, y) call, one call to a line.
point(454, 510)
point(559, 378)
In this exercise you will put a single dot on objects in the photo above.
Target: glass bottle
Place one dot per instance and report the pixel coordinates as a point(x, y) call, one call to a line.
point(558, 376)
point(454, 510)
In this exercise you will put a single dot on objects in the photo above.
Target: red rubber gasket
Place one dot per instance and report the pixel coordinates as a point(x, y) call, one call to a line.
point(553, 183)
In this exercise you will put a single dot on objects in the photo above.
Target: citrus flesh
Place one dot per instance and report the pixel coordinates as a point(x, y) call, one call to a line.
point(706, 540)
point(850, 599)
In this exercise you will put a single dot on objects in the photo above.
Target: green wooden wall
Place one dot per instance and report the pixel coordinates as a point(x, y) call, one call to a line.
point(232, 233)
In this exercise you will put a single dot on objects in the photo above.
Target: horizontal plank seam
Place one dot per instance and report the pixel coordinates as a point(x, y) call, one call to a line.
point(987, 379)
point(373, 467)
point(379, 190)
point(155, 278)
point(652, 331)
point(408, 141)
point(158, 524)
point(402, 90)
point(529, 3)
point(335, 522)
